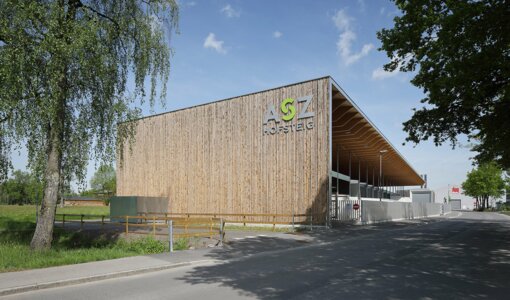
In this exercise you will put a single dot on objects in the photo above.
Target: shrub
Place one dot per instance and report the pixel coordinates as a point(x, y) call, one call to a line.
point(181, 244)
point(146, 245)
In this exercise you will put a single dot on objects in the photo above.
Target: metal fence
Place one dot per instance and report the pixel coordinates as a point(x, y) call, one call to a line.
point(346, 210)
point(373, 211)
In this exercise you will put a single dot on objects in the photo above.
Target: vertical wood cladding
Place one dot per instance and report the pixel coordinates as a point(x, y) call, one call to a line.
point(215, 158)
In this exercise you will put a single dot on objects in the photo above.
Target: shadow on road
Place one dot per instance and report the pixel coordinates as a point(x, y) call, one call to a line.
point(463, 258)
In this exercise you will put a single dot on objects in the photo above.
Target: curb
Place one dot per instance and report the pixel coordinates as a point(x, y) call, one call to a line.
point(66, 282)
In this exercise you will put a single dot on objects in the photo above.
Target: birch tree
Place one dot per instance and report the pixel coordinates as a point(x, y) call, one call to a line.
point(65, 69)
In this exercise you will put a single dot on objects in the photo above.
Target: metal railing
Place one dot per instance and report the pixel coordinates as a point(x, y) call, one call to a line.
point(189, 227)
point(346, 211)
point(177, 227)
point(187, 224)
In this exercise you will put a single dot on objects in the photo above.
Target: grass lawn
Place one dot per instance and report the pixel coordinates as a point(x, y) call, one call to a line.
point(86, 210)
point(20, 217)
point(17, 224)
point(83, 210)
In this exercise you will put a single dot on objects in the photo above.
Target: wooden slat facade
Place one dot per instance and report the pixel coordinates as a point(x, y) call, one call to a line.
point(215, 158)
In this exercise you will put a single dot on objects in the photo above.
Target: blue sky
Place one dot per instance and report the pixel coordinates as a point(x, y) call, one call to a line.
point(229, 48)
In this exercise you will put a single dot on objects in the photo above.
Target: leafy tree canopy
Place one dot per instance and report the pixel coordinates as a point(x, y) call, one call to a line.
point(462, 52)
point(22, 188)
point(104, 180)
point(64, 71)
point(65, 64)
point(484, 182)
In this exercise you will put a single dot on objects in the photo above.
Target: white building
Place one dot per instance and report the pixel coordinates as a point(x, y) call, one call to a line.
point(457, 195)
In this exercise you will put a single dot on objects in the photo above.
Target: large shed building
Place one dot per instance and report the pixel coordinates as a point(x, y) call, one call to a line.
point(286, 150)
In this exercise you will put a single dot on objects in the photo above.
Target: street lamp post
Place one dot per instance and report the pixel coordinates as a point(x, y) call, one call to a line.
point(380, 171)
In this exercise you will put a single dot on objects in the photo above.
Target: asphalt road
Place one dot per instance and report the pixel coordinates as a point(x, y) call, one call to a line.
point(467, 257)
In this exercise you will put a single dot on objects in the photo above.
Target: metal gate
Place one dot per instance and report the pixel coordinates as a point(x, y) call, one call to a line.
point(343, 209)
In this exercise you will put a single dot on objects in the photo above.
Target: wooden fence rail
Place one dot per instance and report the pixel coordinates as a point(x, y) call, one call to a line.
point(192, 227)
point(272, 219)
point(192, 224)
point(81, 218)
point(212, 225)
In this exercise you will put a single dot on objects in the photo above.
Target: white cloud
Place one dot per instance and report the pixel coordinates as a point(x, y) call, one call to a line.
point(342, 20)
point(212, 42)
point(277, 34)
point(346, 38)
point(230, 12)
point(382, 10)
point(380, 73)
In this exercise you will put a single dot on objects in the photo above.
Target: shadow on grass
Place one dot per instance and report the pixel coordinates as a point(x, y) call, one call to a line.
point(70, 245)
point(21, 232)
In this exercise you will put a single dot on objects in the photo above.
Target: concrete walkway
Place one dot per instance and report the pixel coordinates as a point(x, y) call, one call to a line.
point(18, 282)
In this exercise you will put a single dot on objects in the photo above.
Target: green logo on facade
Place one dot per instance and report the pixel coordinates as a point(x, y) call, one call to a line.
point(289, 107)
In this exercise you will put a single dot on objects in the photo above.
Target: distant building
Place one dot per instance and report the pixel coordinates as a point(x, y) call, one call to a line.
point(457, 198)
point(83, 201)
point(423, 195)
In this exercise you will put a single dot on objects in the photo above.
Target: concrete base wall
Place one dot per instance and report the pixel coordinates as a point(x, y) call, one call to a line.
point(374, 211)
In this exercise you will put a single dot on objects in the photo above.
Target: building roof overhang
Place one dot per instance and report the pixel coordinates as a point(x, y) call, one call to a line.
point(352, 132)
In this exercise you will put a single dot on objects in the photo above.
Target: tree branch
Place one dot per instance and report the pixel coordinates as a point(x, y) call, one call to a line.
point(6, 117)
point(3, 39)
point(100, 14)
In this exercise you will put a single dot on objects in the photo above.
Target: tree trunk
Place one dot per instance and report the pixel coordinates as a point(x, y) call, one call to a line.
point(43, 234)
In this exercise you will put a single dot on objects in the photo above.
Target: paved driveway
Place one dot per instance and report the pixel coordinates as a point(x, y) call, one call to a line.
point(467, 257)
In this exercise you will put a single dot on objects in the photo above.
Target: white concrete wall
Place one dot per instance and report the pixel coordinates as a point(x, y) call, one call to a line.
point(374, 211)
